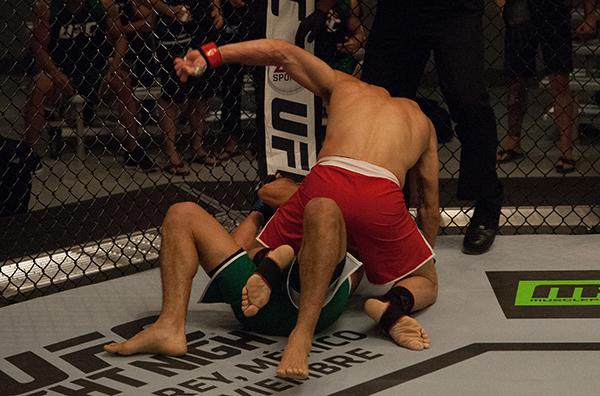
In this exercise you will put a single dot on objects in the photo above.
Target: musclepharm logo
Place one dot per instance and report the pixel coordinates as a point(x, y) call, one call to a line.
point(558, 293)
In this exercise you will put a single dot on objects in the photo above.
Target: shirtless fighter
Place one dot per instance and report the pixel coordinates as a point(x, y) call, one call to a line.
point(351, 199)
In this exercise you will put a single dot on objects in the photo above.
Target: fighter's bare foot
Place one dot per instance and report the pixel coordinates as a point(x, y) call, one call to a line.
point(294, 362)
point(155, 339)
point(406, 332)
point(255, 295)
point(257, 291)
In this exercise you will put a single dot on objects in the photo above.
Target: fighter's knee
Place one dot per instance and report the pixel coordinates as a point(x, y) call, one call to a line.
point(322, 210)
point(182, 212)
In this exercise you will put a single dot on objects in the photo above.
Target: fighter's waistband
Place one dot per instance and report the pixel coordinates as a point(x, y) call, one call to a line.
point(359, 166)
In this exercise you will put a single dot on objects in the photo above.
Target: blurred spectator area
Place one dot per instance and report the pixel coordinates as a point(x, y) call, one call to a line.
point(539, 138)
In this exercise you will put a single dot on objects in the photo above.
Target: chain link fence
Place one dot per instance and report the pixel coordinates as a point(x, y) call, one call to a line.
point(99, 137)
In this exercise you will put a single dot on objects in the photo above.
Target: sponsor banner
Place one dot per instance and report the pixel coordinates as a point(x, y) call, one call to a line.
point(289, 109)
point(558, 293)
point(547, 294)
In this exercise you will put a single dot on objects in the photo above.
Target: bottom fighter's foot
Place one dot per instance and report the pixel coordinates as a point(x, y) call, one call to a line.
point(255, 295)
point(257, 291)
point(406, 332)
point(155, 339)
point(294, 362)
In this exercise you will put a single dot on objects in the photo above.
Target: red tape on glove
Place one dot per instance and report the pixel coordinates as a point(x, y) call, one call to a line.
point(212, 54)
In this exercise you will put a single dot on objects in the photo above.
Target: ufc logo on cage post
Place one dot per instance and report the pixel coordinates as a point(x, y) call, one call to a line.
point(290, 110)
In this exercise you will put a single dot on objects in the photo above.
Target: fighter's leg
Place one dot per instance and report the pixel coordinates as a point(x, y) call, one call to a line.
point(323, 247)
point(413, 293)
point(189, 236)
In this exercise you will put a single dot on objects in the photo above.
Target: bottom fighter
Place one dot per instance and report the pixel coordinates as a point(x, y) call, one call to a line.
point(350, 200)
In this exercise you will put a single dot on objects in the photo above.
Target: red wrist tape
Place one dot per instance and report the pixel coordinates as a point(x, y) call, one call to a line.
point(213, 56)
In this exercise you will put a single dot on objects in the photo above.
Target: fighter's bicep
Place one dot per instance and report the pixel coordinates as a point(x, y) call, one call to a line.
point(310, 72)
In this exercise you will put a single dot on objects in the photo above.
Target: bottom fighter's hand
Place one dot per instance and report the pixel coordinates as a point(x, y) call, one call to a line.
point(191, 65)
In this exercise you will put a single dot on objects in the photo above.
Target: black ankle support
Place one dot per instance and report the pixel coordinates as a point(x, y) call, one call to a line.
point(270, 272)
point(260, 255)
point(401, 301)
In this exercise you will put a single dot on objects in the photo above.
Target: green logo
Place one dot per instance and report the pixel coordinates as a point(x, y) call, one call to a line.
point(546, 293)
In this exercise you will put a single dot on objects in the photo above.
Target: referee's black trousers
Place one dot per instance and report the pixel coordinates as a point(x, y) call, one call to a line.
point(404, 34)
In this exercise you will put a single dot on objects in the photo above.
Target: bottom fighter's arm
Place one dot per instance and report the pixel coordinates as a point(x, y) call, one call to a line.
point(427, 180)
point(305, 68)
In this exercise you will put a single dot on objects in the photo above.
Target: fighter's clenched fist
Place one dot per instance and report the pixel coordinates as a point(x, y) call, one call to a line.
point(191, 65)
point(195, 62)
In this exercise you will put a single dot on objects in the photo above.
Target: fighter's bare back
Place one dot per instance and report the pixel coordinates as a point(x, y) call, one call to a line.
point(365, 123)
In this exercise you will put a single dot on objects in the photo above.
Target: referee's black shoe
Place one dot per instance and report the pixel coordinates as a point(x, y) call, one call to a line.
point(478, 239)
point(481, 231)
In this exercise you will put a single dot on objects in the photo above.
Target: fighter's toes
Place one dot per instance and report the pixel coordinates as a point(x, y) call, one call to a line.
point(119, 348)
point(111, 348)
point(292, 373)
point(255, 295)
point(414, 345)
point(248, 308)
point(407, 332)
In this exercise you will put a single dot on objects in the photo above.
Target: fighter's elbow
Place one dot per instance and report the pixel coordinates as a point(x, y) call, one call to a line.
point(282, 51)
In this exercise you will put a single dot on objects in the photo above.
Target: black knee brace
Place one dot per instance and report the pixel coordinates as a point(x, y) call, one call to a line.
point(401, 301)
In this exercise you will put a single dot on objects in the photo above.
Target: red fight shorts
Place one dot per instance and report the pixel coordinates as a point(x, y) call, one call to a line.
point(381, 232)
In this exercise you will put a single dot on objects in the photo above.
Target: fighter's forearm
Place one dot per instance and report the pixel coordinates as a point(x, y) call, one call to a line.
point(428, 220)
point(265, 52)
point(306, 69)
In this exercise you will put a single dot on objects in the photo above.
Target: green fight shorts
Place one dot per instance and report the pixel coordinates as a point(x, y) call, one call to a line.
point(279, 316)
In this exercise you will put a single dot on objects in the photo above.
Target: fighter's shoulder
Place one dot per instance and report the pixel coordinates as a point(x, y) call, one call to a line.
point(345, 81)
point(410, 106)
point(407, 104)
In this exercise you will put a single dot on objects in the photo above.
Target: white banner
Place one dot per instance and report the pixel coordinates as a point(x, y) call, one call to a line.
point(290, 119)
